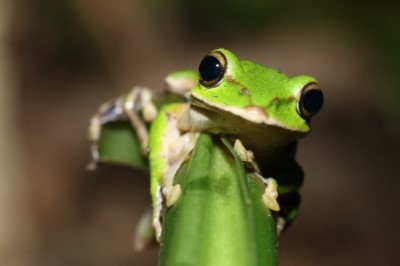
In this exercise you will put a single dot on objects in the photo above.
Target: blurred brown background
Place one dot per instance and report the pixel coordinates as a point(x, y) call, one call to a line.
point(60, 59)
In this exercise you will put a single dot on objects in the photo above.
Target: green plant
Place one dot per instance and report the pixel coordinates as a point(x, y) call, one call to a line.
point(220, 218)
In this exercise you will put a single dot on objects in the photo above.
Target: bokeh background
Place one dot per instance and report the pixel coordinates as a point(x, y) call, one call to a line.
point(60, 59)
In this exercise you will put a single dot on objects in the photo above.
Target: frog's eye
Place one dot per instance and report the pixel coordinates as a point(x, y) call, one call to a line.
point(212, 69)
point(311, 100)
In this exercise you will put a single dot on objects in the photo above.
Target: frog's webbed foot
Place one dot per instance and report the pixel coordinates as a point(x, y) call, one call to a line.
point(271, 187)
point(137, 107)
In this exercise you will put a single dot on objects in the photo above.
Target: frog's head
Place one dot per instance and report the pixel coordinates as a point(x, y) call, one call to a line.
point(257, 94)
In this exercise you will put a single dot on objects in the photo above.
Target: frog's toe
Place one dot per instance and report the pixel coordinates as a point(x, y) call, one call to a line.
point(270, 202)
point(244, 154)
point(172, 194)
point(280, 225)
point(271, 194)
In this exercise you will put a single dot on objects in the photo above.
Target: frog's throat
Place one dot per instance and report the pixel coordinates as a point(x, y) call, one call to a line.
point(251, 113)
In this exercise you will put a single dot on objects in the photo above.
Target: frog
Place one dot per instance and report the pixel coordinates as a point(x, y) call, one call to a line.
point(262, 110)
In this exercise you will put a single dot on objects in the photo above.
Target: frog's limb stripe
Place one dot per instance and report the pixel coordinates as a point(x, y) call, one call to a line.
point(157, 209)
point(169, 148)
point(137, 107)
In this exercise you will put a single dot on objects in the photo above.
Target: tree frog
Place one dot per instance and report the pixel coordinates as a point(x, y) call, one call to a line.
point(261, 109)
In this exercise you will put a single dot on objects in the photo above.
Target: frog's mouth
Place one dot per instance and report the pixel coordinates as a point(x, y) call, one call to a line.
point(253, 114)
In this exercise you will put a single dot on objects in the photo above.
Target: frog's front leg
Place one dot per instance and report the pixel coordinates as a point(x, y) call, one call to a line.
point(170, 145)
point(271, 187)
point(136, 107)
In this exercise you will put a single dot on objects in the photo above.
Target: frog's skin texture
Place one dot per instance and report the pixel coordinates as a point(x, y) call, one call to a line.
point(261, 109)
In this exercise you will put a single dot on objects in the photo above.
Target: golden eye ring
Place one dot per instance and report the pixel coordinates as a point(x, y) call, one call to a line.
point(212, 69)
point(311, 100)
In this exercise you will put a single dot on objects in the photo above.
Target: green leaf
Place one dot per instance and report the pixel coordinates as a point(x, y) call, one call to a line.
point(119, 144)
point(220, 218)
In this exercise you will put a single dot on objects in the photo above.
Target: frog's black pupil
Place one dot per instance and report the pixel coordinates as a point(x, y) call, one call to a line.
point(313, 101)
point(210, 68)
